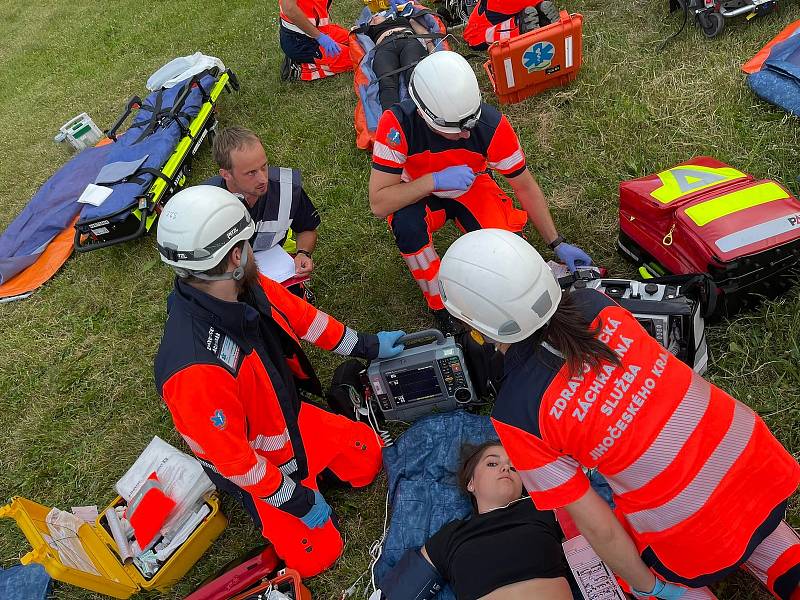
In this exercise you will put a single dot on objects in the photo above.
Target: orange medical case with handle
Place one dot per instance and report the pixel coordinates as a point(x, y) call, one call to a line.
point(536, 61)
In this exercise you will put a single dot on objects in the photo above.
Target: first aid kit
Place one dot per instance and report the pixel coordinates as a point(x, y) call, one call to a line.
point(536, 61)
point(704, 216)
point(286, 585)
point(240, 575)
point(165, 517)
point(110, 577)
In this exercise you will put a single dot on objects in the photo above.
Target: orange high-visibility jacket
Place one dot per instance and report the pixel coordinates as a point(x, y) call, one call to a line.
point(229, 373)
point(698, 479)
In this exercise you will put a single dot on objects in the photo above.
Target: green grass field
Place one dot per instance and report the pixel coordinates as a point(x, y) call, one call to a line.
point(76, 388)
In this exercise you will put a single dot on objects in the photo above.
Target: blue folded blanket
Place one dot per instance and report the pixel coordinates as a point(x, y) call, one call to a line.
point(24, 582)
point(778, 81)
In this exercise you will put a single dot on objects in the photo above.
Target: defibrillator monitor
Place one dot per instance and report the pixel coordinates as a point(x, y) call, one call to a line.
point(426, 377)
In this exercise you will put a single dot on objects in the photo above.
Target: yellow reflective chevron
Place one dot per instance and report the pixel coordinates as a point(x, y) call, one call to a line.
point(686, 179)
point(290, 245)
point(711, 210)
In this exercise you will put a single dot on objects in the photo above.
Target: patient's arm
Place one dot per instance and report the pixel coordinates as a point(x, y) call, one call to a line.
point(420, 29)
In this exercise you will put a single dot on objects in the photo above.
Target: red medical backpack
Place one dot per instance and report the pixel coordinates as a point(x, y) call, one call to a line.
point(703, 216)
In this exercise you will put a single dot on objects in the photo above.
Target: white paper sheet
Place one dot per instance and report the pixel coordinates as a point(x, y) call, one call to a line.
point(595, 579)
point(275, 263)
point(95, 194)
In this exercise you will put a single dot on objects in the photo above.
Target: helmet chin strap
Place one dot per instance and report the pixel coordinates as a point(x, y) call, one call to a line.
point(237, 274)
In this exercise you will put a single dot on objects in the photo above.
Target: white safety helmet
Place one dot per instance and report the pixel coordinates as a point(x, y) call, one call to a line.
point(497, 283)
point(445, 90)
point(198, 227)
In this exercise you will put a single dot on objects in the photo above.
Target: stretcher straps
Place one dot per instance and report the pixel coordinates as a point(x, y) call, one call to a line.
point(175, 112)
point(419, 36)
point(155, 115)
point(148, 171)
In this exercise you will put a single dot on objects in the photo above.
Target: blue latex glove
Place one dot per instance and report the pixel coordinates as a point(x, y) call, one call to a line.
point(664, 590)
point(329, 45)
point(393, 6)
point(453, 178)
point(387, 341)
point(319, 513)
point(572, 256)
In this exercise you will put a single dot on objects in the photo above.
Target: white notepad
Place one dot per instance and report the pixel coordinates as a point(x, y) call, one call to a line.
point(275, 263)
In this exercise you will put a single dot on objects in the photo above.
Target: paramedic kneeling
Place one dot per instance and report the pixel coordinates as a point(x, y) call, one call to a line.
point(700, 484)
point(274, 196)
point(496, 20)
point(431, 161)
point(230, 367)
point(314, 47)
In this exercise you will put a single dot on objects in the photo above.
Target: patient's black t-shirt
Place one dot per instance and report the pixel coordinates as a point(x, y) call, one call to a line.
point(375, 31)
point(487, 551)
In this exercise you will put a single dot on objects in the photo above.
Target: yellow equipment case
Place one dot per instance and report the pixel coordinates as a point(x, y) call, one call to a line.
point(115, 579)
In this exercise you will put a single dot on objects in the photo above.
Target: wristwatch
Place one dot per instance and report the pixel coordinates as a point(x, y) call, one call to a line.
point(559, 240)
point(306, 252)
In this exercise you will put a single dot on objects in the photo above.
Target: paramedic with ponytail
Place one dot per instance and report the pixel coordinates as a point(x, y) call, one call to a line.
point(700, 484)
point(230, 369)
point(431, 162)
point(314, 48)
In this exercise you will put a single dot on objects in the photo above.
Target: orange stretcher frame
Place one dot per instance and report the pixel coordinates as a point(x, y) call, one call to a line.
point(536, 61)
point(365, 137)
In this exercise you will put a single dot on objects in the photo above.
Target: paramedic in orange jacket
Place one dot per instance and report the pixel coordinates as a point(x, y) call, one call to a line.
point(314, 48)
point(431, 161)
point(495, 20)
point(230, 367)
point(700, 484)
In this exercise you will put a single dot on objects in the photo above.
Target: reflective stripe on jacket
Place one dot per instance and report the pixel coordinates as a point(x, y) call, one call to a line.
point(694, 472)
point(229, 372)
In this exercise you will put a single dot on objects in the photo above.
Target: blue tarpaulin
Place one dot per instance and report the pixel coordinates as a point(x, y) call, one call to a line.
point(49, 212)
point(24, 582)
point(778, 81)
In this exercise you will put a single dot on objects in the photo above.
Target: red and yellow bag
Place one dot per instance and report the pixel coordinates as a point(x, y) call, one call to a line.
point(703, 216)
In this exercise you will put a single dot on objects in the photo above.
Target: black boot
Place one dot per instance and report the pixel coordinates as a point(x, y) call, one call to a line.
point(290, 70)
point(528, 19)
point(548, 13)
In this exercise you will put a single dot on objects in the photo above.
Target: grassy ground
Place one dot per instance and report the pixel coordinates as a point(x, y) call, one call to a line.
point(76, 391)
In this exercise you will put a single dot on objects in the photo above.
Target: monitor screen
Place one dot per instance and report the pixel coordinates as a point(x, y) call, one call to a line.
point(414, 385)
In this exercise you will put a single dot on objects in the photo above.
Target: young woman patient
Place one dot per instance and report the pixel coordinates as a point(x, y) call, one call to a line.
point(506, 550)
point(395, 47)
